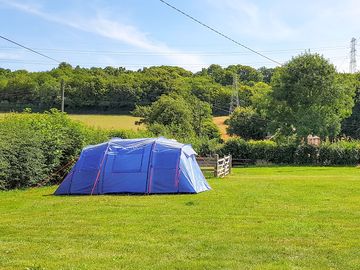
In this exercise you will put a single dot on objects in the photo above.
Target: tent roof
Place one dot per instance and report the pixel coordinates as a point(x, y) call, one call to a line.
point(135, 143)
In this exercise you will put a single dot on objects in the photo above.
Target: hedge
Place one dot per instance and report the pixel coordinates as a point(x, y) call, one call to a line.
point(338, 153)
point(34, 145)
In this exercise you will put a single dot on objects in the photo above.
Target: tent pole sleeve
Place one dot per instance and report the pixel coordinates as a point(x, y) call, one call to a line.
point(149, 172)
point(72, 176)
point(98, 174)
point(177, 172)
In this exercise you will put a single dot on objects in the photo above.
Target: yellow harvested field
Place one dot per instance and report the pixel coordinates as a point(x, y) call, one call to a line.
point(219, 121)
point(111, 121)
point(108, 121)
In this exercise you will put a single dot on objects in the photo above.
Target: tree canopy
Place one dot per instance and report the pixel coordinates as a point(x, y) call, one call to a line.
point(309, 97)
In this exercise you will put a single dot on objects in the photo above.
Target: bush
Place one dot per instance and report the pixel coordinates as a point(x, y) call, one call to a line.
point(129, 134)
point(247, 123)
point(339, 153)
point(33, 145)
point(238, 148)
point(306, 154)
point(203, 146)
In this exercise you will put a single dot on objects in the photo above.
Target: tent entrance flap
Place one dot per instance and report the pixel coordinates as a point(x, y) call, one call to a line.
point(164, 169)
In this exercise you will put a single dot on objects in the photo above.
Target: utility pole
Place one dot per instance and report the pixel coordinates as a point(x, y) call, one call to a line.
point(62, 95)
point(234, 102)
point(352, 68)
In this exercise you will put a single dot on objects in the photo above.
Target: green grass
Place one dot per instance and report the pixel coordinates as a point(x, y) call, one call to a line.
point(257, 218)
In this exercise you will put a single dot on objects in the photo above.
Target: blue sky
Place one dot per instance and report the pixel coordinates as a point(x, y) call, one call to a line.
point(138, 33)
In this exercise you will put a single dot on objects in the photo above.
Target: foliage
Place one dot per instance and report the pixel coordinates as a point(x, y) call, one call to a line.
point(267, 74)
point(336, 153)
point(350, 126)
point(178, 116)
point(309, 97)
point(32, 146)
point(224, 76)
point(112, 89)
point(247, 123)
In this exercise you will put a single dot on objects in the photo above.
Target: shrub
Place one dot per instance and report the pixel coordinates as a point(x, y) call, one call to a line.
point(247, 123)
point(34, 145)
point(237, 147)
point(203, 146)
point(339, 153)
point(129, 134)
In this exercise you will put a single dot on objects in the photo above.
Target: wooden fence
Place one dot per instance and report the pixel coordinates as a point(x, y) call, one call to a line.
point(220, 166)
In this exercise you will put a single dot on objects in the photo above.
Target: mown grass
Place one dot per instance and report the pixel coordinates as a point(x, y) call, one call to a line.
point(257, 218)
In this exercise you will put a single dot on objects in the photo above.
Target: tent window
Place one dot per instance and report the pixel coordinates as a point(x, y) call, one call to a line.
point(166, 159)
point(91, 161)
point(128, 161)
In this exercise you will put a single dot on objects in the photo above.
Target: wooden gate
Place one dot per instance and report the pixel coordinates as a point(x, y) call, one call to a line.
point(220, 166)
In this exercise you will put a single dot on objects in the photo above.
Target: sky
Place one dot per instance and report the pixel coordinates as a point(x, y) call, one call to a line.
point(141, 33)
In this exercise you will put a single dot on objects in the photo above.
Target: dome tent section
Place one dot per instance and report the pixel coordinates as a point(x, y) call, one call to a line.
point(147, 166)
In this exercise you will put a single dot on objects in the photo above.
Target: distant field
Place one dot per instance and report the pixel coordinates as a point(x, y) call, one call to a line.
point(219, 121)
point(127, 121)
point(105, 121)
point(108, 121)
point(256, 218)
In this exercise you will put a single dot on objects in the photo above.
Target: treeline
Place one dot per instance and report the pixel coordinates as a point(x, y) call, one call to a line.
point(117, 90)
point(304, 96)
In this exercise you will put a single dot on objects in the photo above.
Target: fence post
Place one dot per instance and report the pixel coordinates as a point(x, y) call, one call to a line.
point(216, 165)
point(230, 163)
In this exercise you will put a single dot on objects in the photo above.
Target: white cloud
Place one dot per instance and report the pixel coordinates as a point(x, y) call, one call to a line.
point(115, 30)
point(132, 36)
point(246, 17)
point(10, 56)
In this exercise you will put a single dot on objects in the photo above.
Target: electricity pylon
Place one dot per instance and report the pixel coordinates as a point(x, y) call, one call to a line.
point(234, 102)
point(352, 68)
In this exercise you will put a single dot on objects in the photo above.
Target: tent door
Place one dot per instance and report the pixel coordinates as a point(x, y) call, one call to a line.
point(164, 171)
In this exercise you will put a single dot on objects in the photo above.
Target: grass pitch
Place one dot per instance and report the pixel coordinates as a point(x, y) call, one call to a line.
point(257, 218)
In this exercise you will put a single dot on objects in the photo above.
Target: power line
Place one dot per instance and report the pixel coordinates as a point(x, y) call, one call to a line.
point(220, 33)
point(82, 51)
point(29, 49)
point(20, 61)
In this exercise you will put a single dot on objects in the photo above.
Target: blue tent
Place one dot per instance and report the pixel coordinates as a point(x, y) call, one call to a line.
point(152, 165)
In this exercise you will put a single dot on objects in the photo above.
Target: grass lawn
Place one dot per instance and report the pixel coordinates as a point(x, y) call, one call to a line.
point(257, 218)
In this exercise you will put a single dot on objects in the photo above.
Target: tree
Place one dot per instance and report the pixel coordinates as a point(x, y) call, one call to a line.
point(309, 97)
point(266, 73)
point(247, 123)
point(247, 75)
point(170, 111)
point(178, 116)
point(350, 126)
